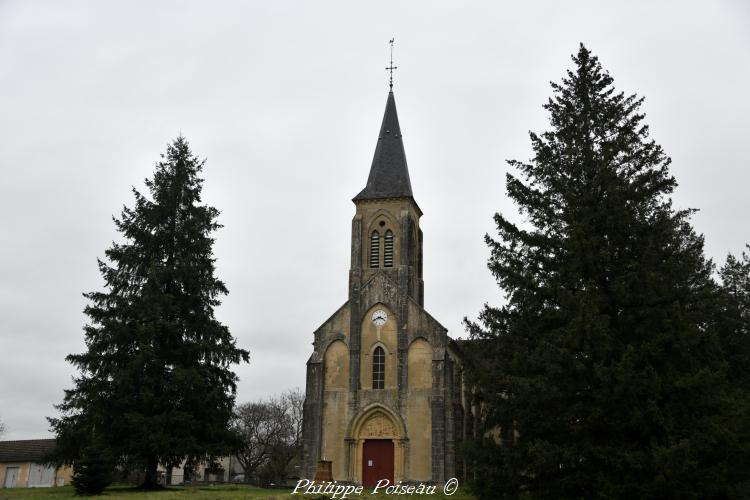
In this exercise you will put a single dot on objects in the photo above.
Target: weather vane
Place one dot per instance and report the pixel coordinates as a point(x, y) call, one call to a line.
point(391, 67)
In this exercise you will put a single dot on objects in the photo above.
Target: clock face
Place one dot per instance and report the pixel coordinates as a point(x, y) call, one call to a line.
point(379, 317)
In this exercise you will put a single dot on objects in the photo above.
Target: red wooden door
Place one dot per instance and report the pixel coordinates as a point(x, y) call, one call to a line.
point(377, 461)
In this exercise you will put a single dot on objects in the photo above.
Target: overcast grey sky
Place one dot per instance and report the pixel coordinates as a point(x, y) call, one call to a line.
point(285, 99)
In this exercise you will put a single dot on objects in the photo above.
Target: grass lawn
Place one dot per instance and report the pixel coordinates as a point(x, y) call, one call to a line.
point(220, 492)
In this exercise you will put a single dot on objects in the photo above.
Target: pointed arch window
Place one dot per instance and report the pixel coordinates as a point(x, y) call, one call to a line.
point(375, 249)
point(378, 368)
point(388, 249)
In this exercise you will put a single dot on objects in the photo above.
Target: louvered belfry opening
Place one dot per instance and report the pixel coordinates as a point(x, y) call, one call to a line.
point(378, 368)
point(388, 249)
point(375, 249)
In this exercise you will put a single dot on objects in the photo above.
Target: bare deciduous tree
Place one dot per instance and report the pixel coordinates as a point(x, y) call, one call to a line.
point(286, 449)
point(271, 435)
point(260, 427)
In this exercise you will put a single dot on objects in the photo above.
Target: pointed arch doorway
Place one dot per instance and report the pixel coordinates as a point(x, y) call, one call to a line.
point(378, 447)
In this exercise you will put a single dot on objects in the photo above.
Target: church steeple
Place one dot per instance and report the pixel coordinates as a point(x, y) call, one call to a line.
point(383, 371)
point(389, 174)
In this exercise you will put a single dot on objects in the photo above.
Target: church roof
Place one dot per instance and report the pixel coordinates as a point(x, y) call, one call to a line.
point(389, 175)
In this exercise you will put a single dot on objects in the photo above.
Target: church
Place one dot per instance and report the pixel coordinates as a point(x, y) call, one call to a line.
point(384, 395)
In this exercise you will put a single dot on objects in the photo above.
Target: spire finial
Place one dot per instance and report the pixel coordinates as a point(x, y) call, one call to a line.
point(391, 67)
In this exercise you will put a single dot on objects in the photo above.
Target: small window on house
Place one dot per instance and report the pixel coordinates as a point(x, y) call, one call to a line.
point(388, 249)
point(378, 368)
point(375, 249)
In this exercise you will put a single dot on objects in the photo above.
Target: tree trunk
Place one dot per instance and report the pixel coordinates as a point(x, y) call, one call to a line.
point(150, 479)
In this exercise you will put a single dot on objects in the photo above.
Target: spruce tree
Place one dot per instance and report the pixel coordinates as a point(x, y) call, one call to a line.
point(156, 378)
point(601, 376)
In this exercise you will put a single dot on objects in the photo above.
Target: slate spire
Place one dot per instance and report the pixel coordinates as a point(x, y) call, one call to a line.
point(389, 175)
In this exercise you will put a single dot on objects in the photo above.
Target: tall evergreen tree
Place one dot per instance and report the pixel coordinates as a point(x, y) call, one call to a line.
point(602, 370)
point(156, 378)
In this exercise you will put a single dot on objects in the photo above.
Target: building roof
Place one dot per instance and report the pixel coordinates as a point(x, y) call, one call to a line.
point(27, 450)
point(389, 175)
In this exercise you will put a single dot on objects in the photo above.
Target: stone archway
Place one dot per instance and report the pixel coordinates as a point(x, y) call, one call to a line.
point(377, 423)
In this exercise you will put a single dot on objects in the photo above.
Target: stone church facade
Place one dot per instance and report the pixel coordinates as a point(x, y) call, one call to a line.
point(384, 390)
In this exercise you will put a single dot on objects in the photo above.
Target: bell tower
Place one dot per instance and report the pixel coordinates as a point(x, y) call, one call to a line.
point(385, 230)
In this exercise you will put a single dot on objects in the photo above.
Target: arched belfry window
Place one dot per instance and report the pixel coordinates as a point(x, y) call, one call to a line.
point(378, 368)
point(388, 249)
point(375, 249)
